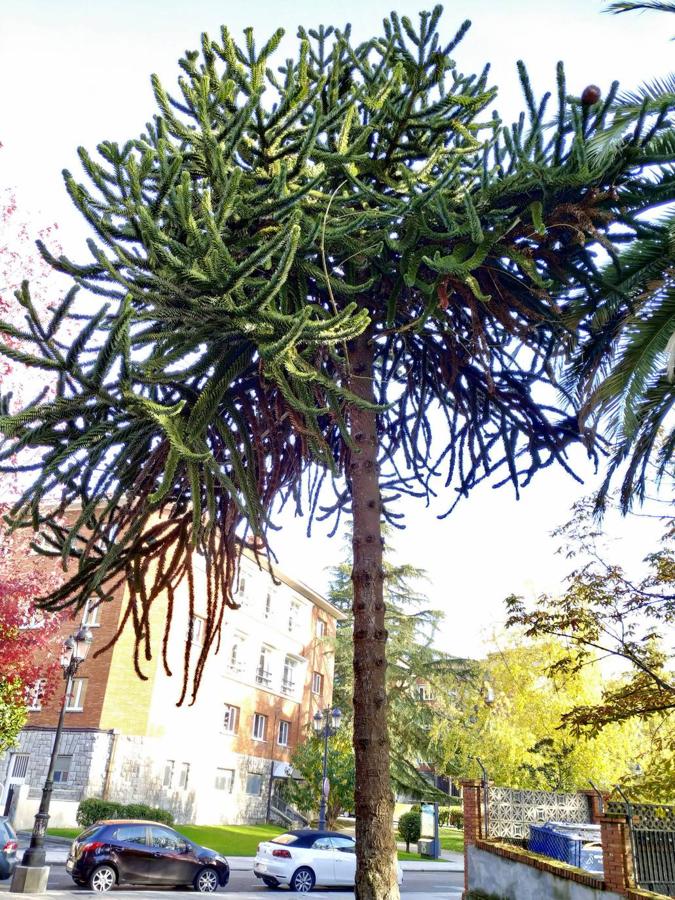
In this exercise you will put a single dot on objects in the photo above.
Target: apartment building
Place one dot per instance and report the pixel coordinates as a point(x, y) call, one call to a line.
point(214, 760)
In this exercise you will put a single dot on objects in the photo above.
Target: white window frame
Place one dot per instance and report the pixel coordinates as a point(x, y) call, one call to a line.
point(267, 608)
point(259, 730)
point(184, 776)
point(289, 685)
point(320, 627)
point(293, 614)
point(263, 673)
point(317, 683)
point(19, 765)
point(34, 695)
point(169, 770)
point(234, 662)
point(284, 732)
point(230, 713)
point(92, 615)
point(198, 629)
point(77, 694)
point(226, 777)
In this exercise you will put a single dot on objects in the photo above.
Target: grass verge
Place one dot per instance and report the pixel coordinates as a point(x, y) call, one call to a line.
point(243, 840)
point(452, 839)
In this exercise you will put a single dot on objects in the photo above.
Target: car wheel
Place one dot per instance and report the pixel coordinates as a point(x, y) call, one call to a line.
point(303, 881)
point(206, 881)
point(102, 879)
point(270, 882)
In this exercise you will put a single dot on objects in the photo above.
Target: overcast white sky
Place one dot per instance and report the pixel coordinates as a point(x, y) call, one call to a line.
point(76, 72)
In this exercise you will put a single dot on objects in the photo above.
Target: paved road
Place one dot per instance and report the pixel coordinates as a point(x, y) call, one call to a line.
point(417, 886)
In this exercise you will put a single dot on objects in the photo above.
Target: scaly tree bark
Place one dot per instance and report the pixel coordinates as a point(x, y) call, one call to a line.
point(271, 268)
point(376, 877)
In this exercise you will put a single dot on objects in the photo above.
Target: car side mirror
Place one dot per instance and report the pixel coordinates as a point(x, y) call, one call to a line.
point(184, 848)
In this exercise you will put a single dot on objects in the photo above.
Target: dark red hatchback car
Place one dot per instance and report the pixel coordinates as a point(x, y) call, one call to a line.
point(137, 852)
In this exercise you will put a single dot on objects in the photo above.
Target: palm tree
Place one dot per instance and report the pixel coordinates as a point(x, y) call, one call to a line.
point(624, 370)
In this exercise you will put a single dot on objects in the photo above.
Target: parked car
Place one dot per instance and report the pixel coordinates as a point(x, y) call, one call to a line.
point(304, 858)
point(8, 848)
point(138, 852)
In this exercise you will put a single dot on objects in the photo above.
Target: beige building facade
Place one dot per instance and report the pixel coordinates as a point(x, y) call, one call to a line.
point(215, 760)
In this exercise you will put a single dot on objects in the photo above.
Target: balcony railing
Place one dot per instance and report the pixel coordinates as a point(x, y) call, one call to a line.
point(287, 686)
point(263, 676)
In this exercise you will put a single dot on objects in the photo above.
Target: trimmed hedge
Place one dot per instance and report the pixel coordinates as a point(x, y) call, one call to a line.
point(451, 815)
point(456, 818)
point(92, 810)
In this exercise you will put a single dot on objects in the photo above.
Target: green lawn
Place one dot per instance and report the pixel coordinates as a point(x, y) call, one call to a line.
point(402, 855)
point(243, 840)
point(230, 840)
point(71, 833)
point(452, 839)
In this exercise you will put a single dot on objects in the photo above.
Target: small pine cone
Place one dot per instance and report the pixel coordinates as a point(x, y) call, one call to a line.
point(591, 95)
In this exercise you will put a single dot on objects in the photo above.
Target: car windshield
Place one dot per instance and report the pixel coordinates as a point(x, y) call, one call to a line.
point(285, 839)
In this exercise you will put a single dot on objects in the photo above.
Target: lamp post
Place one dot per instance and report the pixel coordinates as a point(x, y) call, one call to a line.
point(325, 723)
point(75, 650)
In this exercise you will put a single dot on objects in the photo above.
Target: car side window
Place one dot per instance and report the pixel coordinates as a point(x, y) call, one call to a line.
point(164, 839)
point(322, 843)
point(131, 834)
point(344, 845)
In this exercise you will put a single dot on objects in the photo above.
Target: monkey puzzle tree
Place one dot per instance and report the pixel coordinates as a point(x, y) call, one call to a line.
point(335, 270)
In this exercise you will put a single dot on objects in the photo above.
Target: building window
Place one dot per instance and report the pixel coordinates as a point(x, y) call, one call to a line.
point(254, 784)
point(317, 683)
point(293, 615)
point(19, 765)
point(284, 730)
point(288, 679)
point(168, 773)
point(234, 662)
point(92, 616)
point(259, 727)
point(320, 628)
point(184, 776)
point(76, 697)
point(198, 629)
point(268, 605)
point(424, 692)
point(231, 719)
point(242, 586)
point(225, 780)
point(34, 695)
point(62, 769)
point(262, 673)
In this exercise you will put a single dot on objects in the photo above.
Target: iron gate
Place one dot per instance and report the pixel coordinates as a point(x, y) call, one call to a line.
point(652, 835)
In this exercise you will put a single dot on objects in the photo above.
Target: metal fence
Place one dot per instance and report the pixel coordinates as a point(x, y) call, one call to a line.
point(652, 836)
point(510, 812)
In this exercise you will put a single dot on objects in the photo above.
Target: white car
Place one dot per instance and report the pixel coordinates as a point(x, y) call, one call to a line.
point(307, 857)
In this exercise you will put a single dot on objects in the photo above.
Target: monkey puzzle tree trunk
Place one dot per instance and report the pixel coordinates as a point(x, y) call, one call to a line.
point(376, 877)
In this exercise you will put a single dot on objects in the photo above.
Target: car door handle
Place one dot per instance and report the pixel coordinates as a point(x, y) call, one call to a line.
point(158, 854)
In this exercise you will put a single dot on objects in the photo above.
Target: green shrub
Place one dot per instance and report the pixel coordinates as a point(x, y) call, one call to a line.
point(456, 818)
point(92, 810)
point(409, 828)
point(142, 811)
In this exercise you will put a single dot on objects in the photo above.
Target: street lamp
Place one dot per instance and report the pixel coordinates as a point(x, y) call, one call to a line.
point(75, 650)
point(325, 723)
